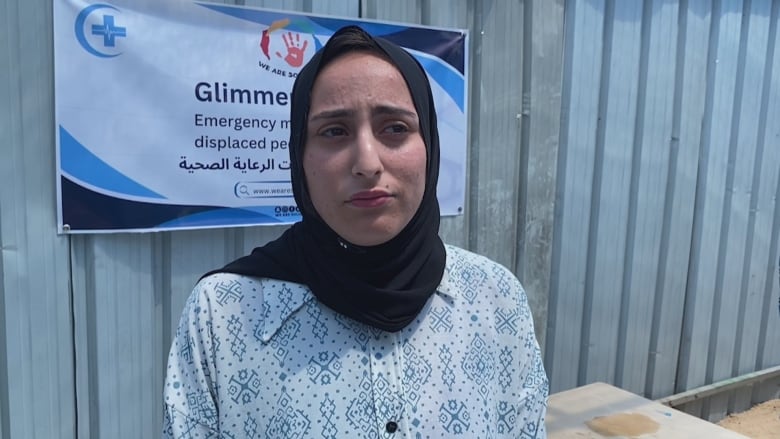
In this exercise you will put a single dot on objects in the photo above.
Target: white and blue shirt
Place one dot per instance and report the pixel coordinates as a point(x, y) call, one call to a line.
point(262, 358)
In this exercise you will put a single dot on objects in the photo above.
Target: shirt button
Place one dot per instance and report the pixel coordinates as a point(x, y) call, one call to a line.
point(391, 427)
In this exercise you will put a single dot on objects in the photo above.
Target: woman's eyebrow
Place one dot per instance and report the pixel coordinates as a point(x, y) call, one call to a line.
point(393, 111)
point(331, 114)
point(378, 110)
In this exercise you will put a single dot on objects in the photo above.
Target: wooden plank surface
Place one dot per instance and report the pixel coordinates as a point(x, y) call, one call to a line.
point(569, 414)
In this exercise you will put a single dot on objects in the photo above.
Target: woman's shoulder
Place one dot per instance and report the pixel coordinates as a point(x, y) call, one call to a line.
point(227, 287)
point(466, 270)
point(223, 280)
point(458, 257)
point(255, 302)
point(480, 280)
point(229, 290)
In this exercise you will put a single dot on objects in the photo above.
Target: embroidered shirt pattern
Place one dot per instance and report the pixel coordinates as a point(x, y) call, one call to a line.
point(262, 358)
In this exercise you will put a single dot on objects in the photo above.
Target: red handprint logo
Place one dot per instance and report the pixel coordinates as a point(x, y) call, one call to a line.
point(295, 49)
point(265, 41)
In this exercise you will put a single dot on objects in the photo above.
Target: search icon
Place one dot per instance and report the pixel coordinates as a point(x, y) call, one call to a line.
point(263, 189)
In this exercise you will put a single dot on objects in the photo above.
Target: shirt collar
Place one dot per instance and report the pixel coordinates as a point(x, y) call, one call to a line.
point(447, 286)
point(282, 299)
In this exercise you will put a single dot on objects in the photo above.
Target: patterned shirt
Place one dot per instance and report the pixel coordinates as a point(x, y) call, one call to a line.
point(262, 358)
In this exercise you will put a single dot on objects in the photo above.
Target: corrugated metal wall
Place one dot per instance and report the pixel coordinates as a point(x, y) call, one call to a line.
point(666, 225)
point(36, 337)
point(623, 161)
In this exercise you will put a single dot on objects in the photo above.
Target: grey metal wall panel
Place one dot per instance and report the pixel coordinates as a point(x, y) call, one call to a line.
point(119, 306)
point(344, 8)
point(764, 269)
point(403, 11)
point(334, 7)
point(542, 76)
point(580, 96)
point(611, 184)
point(649, 174)
point(661, 172)
point(741, 182)
point(701, 335)
point(36, 355)
point(757, 245)
point(685, 137)
point(494, 154)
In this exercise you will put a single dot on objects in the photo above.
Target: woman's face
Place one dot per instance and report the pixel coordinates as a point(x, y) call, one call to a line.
point(364, 157)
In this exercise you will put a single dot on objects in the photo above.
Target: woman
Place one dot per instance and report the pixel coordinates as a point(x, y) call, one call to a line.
point(358, 322)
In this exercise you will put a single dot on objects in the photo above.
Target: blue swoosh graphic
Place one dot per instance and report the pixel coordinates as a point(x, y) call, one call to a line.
point(81, 163)
point(227, 217)
point(451, 82)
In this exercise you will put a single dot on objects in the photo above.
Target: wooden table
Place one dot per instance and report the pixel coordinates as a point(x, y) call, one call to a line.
point(582, 412)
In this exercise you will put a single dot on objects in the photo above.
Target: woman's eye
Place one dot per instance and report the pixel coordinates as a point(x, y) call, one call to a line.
point(333, 132)
point(397, 128)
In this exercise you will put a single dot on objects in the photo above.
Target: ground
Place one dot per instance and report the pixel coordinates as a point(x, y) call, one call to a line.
point(760, 422)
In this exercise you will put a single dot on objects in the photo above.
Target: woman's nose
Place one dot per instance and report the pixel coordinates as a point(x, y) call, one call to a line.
point(366, 160)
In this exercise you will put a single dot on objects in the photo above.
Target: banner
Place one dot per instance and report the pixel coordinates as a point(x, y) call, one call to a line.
point(175, 115)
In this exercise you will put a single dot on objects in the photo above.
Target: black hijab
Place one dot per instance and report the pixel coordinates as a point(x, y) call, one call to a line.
point(386, 285)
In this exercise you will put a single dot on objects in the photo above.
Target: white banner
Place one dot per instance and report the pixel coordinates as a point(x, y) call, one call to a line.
point(174, 115)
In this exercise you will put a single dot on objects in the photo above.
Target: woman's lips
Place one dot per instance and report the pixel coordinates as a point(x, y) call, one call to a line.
point(367, 199)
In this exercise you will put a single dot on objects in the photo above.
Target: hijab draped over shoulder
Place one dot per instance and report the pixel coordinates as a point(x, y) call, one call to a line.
point(384, 286)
